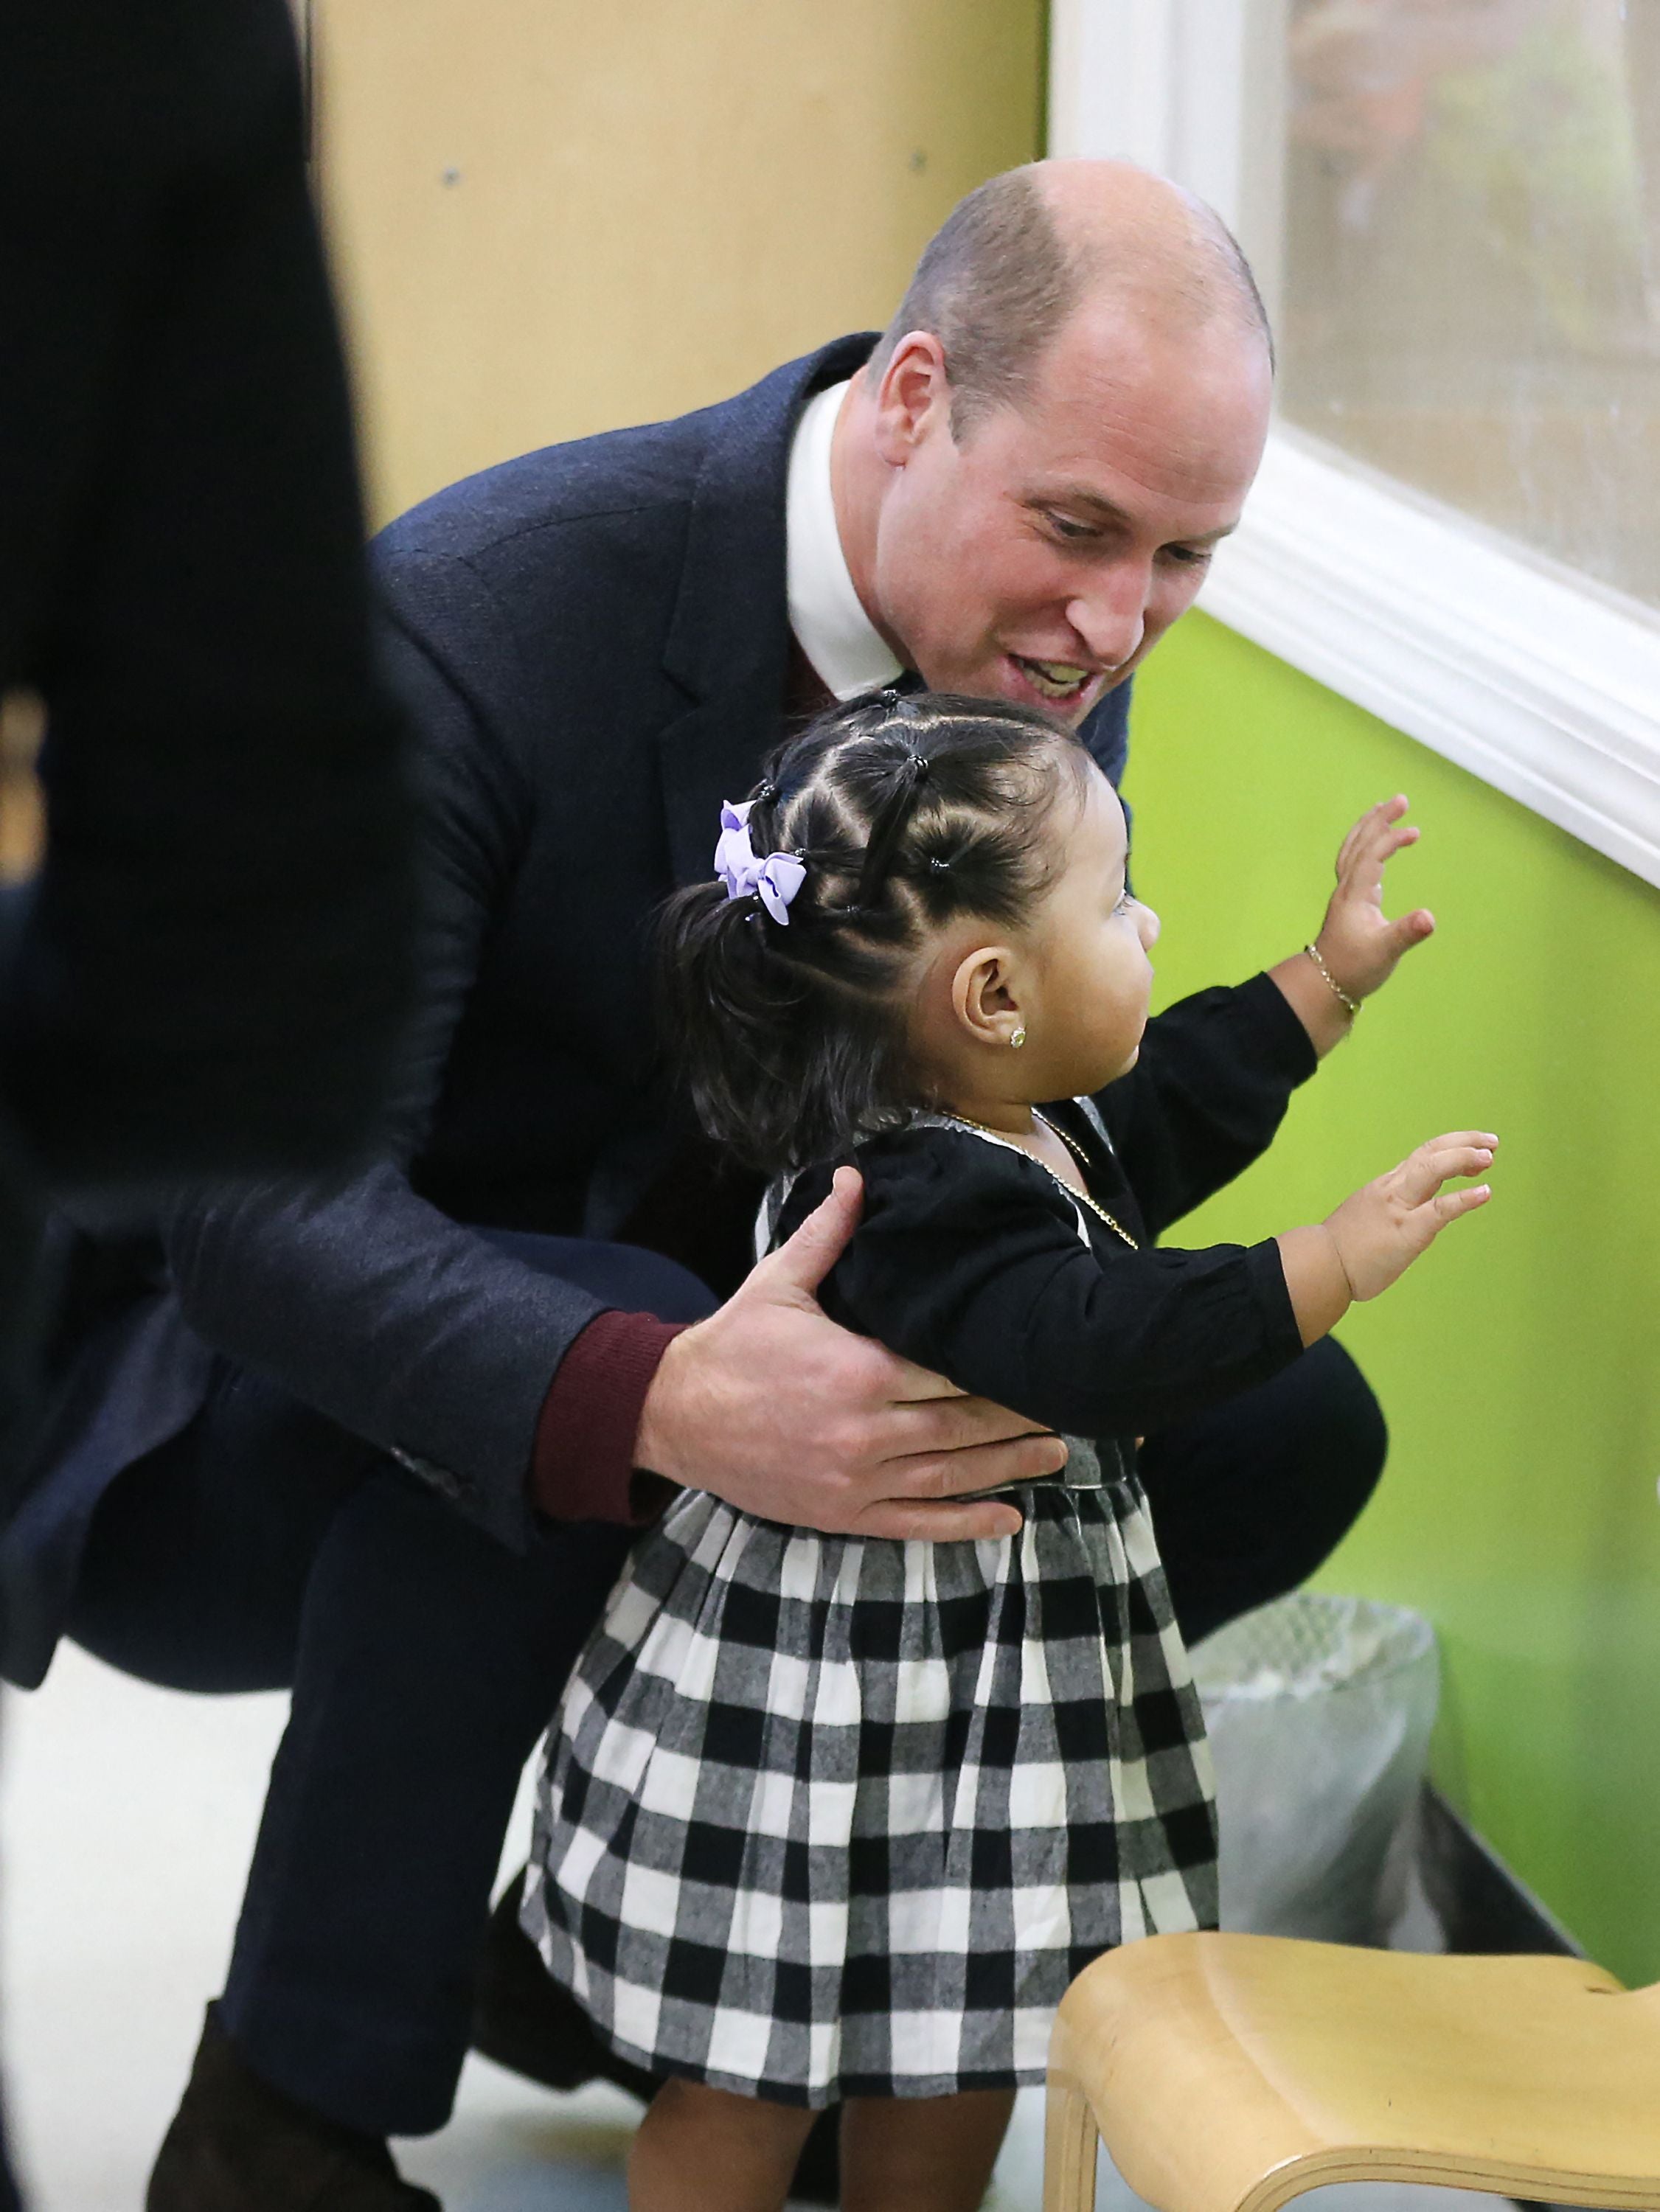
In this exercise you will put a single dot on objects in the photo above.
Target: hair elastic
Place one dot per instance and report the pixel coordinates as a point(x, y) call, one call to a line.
point(891, 819)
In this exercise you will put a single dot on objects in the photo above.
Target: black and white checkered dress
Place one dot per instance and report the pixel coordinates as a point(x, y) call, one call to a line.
point(825, 1816)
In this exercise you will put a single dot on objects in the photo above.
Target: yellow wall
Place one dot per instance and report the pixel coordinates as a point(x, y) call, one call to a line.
point(1519, 1361)
point(550, 218)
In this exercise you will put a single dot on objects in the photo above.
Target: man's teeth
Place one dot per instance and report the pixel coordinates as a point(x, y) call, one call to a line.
point(1056, 679)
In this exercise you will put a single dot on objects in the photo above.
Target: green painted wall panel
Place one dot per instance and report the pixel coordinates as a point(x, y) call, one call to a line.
point(1519, 1362)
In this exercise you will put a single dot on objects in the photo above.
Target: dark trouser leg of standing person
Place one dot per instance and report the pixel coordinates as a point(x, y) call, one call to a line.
point(1250, 1498)
point(266, 1546)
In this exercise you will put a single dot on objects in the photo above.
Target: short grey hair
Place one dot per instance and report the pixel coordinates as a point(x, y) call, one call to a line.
point(998, 281)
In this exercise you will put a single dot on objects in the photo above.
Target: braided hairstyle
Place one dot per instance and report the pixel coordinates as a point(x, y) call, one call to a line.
point(907, 811)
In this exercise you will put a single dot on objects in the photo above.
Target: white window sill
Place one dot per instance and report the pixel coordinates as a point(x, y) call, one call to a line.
point(1537, 682)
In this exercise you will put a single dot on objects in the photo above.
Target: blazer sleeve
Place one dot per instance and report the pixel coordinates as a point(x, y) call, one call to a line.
point(1205, 1098)
point(359, 1297)
point(967, 1260)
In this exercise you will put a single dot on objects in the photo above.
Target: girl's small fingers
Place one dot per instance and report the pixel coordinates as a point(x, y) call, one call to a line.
point(1358, 830)
point(1381, 847)
point(1373, 845)
point(1433, 1164)
point(1369, 820)
point(1381, 817)
point(1451, 1203)
point(1462, 1160)
point(1412, 929)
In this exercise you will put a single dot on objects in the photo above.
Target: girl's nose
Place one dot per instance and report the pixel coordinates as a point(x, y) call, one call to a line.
point(1149, 924)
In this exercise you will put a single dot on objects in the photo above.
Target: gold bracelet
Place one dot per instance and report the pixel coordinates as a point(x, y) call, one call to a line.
point(1332, 983)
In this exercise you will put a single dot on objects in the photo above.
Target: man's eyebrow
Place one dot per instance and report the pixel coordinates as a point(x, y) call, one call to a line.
point(1103, 509)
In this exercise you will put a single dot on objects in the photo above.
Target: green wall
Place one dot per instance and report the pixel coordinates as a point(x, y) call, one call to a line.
point(1519, 1361)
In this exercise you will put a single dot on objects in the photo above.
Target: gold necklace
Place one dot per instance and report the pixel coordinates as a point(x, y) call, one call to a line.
point(1073, 1147)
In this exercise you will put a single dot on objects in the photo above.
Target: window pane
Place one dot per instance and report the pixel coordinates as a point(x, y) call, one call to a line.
point(1469, 291)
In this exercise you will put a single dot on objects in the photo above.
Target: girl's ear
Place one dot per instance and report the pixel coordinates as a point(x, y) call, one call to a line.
point(984, 996)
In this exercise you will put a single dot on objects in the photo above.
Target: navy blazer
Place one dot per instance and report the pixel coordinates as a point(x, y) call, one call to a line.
point(594, 643)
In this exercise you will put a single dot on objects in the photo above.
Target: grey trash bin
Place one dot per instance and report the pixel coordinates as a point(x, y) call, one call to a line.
point(1319, 1711)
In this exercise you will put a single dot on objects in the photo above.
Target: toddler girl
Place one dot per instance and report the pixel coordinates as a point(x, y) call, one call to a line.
point(830, 1819)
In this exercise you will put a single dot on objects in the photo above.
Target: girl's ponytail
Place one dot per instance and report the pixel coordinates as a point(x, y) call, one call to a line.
point(771, 1070)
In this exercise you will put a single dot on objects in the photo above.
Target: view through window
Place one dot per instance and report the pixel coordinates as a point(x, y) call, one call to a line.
point(1468, 277)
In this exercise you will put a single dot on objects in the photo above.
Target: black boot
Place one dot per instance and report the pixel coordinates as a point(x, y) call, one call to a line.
point(531, 2024)
point(238, 2145)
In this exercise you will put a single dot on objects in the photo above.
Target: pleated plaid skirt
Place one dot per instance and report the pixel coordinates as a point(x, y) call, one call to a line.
point(824, 1817)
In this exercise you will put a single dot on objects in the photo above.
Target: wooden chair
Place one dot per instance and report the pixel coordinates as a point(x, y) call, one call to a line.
point(1229, 2073)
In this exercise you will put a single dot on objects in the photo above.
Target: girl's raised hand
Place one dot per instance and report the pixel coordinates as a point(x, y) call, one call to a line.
point(1356, 941)
point(1374, 1236)
point(1383, 1229)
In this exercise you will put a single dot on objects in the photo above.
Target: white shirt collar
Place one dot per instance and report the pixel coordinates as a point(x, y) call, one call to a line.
point(830, 625)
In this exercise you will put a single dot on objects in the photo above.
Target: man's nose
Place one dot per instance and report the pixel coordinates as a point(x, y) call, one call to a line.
point(1110, 613)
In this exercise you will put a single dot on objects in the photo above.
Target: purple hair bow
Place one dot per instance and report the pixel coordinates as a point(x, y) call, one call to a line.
point(775, 881)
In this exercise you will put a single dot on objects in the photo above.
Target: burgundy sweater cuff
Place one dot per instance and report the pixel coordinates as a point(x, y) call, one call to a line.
point(582, 1461)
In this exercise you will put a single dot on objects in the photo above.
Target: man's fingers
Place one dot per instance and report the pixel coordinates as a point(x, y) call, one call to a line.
point(939, 1525)
point(942, 1427)
point(944, 1475)
point(804, 1260)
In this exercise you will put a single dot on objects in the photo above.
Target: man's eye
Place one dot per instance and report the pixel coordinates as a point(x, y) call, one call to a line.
point(1067, 526)
point(1189, 556)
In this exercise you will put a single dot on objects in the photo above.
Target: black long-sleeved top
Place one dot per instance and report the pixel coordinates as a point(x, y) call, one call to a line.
point(968, 1258)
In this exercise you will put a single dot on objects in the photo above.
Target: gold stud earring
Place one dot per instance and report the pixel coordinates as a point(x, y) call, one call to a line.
point(1018, 1038)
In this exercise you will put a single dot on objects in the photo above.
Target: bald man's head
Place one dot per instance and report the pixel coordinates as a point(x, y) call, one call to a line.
point(1033, 471)
point(1015, 261)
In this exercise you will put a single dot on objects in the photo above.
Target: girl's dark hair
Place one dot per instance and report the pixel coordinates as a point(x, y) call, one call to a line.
point(906, 811)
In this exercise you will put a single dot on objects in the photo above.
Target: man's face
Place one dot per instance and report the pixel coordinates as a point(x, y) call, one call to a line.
point(1041, 558)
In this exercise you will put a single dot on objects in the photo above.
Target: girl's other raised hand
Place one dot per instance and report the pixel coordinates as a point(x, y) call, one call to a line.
point(1356, 941)
point(1383, 1228)
point(1374, 1236)
point(1358, 946)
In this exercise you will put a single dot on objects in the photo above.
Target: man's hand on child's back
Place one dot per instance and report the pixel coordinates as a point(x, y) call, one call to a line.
point(771, 1405)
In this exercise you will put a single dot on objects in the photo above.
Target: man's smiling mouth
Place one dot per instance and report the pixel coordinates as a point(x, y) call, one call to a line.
point(1059, 680)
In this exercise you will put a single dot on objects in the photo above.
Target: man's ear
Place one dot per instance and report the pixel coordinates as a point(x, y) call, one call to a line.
point(983, 995)
point(914, 394)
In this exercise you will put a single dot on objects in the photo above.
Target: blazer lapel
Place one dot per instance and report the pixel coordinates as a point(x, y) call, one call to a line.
point(728, 641)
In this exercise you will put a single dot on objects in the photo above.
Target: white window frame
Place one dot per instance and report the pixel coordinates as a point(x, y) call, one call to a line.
point(1542, 684)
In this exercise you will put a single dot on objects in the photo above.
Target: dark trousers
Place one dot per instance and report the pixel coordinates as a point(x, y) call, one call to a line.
point(265, 1547)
